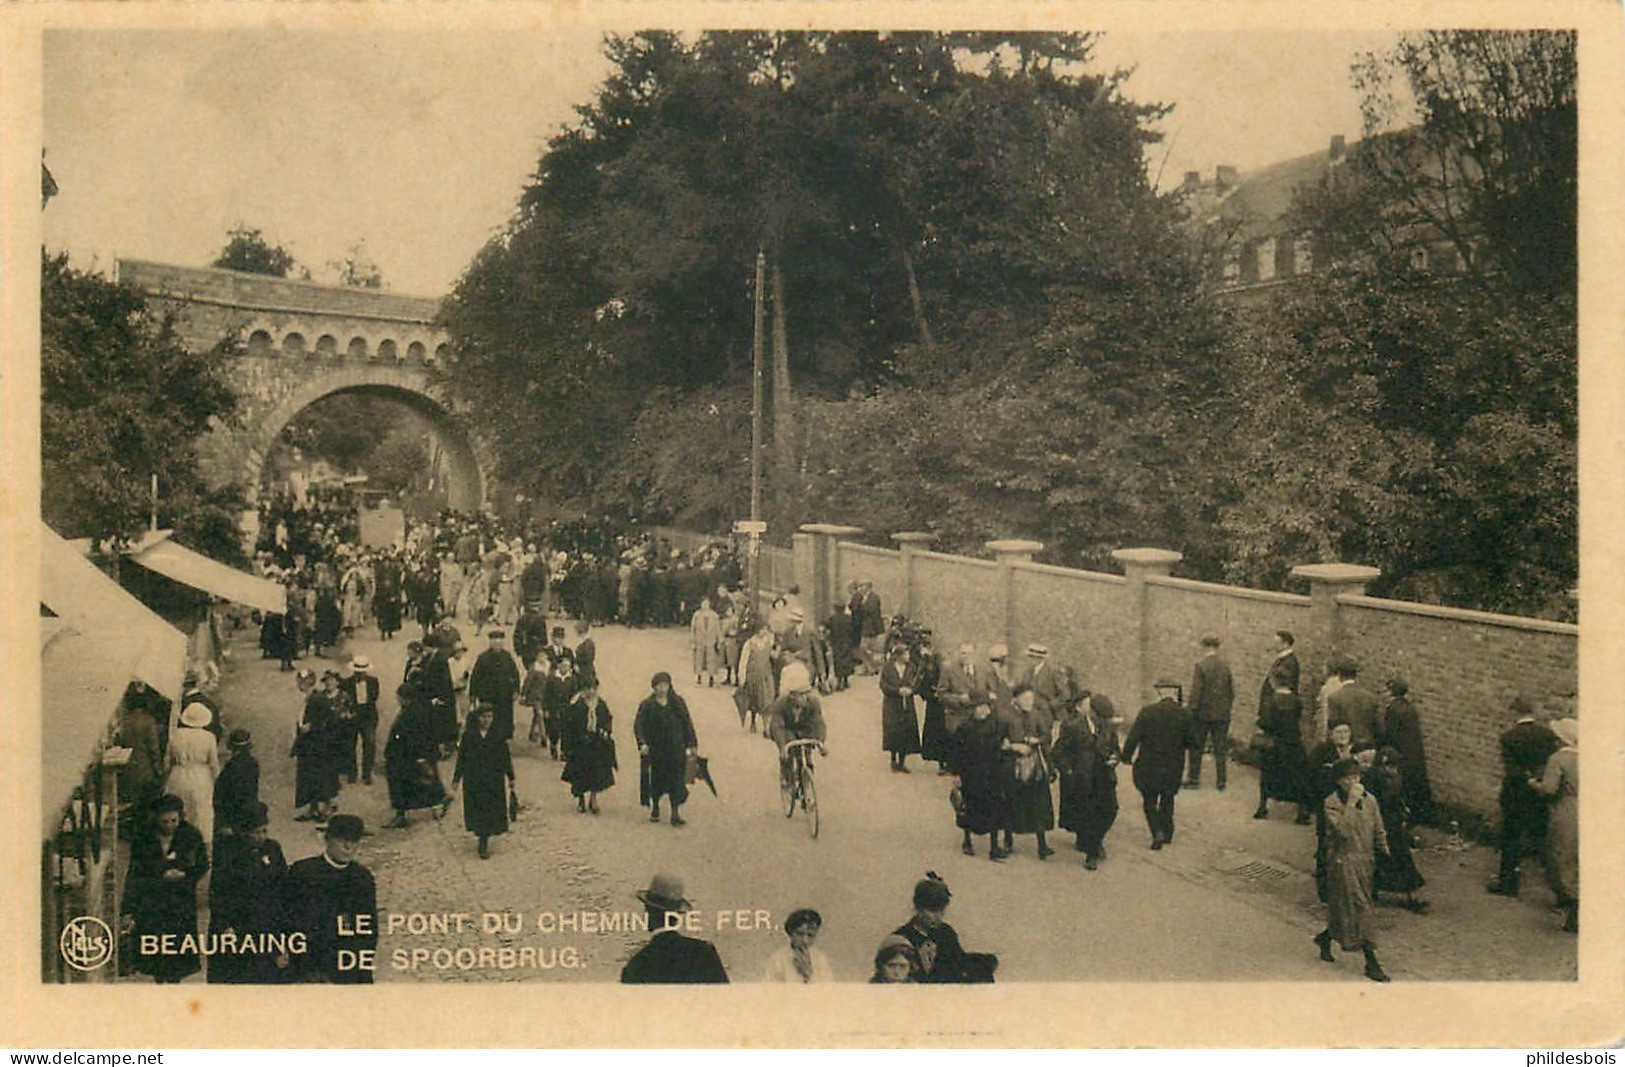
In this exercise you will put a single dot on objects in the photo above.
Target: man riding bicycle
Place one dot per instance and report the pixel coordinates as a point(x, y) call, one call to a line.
point(796, 715)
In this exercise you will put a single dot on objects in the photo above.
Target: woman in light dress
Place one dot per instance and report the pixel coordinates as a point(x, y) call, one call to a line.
point(194, 761)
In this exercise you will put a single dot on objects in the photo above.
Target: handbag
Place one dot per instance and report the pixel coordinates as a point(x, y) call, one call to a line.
point(741, 700)
point(956, 799)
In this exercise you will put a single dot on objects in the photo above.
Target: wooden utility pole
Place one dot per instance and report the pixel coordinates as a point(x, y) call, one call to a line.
point(756, 437)
point(784, 430)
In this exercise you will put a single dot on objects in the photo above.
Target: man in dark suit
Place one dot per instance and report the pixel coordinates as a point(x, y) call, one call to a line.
point(1354, 704)
point(963, 686)
point(1050, 689)
point(1156, 747)
point(333, 901)
point(361, 693)
point(1525, 748)
point(671, 957)
point(1213, 692)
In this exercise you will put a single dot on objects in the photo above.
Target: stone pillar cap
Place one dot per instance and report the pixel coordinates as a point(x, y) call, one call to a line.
point(1015, 546)
point(831, 529)
point(1337, 573)
point(913, 537)
point(1147, 555)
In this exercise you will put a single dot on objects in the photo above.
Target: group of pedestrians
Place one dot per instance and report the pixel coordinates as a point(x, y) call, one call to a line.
point(924, 949)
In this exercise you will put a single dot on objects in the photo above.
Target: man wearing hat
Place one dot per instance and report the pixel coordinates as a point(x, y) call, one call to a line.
point(1354, 704)
point(237, 787)
point(1213, 693)
point(494, 682)
point(360, 691)
point(963, 686)
point(333, 901)
point(1156, 747)
point(1050, 695)
point(1525, 748)
point(671, 957)
point(245, 898)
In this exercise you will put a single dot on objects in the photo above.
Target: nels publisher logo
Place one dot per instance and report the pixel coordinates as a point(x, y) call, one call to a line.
point(86, 943)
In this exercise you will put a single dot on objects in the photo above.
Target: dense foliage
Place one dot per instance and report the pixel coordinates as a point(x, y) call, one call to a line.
point(248, 250)
point(995, 326)
point(122, 400)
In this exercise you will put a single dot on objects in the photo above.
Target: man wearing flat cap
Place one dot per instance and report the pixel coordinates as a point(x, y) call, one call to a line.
point(671, 957)
point(1213, 693)
point(1156, 747)
point(1525, 748)
point(333, 901)
point(494, 682)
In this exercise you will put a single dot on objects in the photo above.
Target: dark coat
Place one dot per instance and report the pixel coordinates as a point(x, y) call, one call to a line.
point(317, 751)
point(669, 733)
point(587, 659)
point(485, 767)
point(982, 782)
point(1156, 746)
point(941, 958)
point(1082, 755)
point(245, 896)
point(361, 691)
point(164, 906)
point(235, 789)
point(438, 686)
point(1051, 692)
point(1283, 766)
point(1213, 690)
point(412, 756)
point(871, 622)
point(671, 958)
point(899, 724)
point(962, 690)
point(589, 761)
point(1357, 706)
point(936, 743)
point(139, 779)
point(495, 680)
point(319, 898)
point(1402, 730)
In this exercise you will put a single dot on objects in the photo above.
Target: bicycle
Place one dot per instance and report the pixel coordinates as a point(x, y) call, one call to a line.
point(800, 787)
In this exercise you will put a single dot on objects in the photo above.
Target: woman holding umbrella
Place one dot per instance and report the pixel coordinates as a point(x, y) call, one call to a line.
point(665, 735)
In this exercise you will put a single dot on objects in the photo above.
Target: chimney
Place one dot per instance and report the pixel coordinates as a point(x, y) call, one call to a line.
point(1193, 180)
point(1225, 177)
point(1338, 150)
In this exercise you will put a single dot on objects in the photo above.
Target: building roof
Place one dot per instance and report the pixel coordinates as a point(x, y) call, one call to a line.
point(1258, 206)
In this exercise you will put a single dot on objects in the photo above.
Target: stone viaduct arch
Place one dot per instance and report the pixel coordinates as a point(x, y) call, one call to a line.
point(304, 342)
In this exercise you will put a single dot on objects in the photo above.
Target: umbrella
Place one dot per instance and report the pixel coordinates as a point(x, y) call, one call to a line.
point(643, 782)
point(699, 770)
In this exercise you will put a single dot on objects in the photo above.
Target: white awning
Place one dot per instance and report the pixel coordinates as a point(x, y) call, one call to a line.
point(101, 639)
point(181, 564)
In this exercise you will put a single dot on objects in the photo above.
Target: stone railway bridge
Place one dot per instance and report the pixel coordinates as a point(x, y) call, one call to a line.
point(303, 342)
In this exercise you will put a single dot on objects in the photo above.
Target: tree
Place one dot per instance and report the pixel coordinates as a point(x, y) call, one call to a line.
point(357, 268)
point(947, 217)
point(248, 250)
point(123, 400)
point(1427, 423)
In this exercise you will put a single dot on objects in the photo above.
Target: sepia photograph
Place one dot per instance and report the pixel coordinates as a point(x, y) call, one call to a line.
point(579, 502)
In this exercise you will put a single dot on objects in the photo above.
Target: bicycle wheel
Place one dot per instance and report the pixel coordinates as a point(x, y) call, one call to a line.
point(787, 791)
point(809, 798)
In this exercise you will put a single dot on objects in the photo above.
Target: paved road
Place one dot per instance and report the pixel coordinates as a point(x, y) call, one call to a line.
point(1231, 899)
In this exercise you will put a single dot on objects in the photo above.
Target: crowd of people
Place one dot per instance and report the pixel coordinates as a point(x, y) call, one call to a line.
point(1030, 747)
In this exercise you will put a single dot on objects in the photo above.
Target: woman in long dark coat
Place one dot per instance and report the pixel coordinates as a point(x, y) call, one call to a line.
point(977, 761)
point(245, 897)
point(899, 724)
point(1026, 765)
point(329, 621)
point(485, 768)
point(1283, 766)
point(1401, 730)
point(936, 744)
point(1396, 869)
point(1087, 754)
point(316, 751)
point(412, 758)
point(589, 740)
point(665, 735)
point(160, 889)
